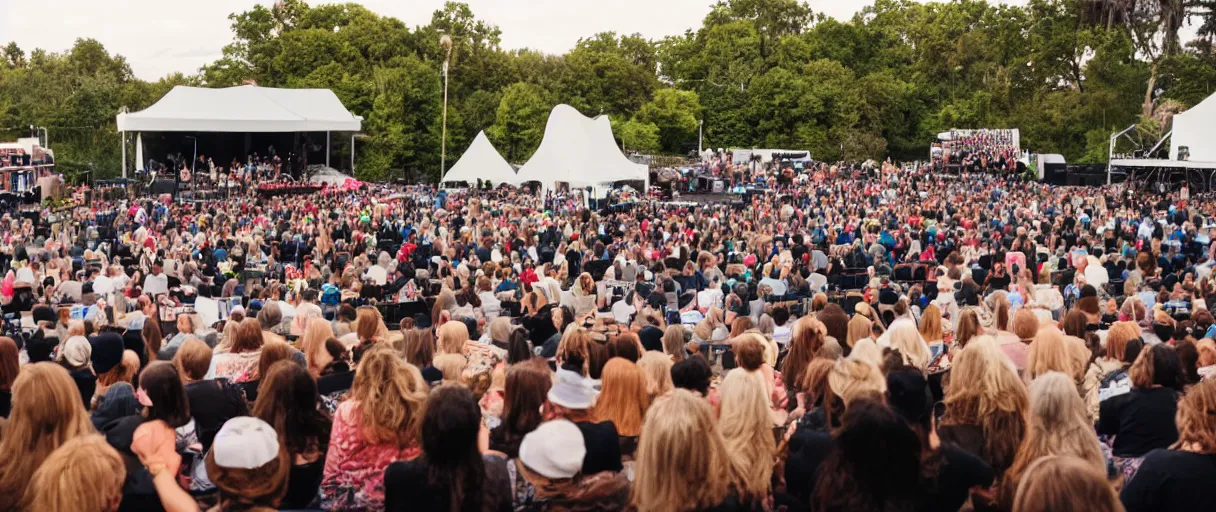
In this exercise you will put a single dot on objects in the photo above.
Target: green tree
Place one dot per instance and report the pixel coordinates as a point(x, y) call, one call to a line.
point(637, 135)
point(520, 121)
point(14, 56)
point(675, 114)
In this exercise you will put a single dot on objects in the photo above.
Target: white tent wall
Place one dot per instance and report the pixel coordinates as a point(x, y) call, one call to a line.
point(1196, 129)
point(579, 151)
point(482, 162)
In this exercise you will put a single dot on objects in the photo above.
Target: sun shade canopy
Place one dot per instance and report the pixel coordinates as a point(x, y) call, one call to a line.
point(247, 108)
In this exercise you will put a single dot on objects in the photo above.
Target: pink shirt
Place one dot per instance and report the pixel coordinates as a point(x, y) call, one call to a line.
point(1014, 349)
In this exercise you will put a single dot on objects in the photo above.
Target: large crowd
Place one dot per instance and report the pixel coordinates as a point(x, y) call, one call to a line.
point(979, 150)
point(871, 340)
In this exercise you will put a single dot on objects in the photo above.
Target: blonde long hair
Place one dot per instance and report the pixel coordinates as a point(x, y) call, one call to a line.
point(985, 391)
point(931, 323)
point(624, 397)
point(47, 412)
point(682, 463)
point(657, 368)
point(312, 344)
point(390, 394)
point(746, 428)
point(85, 475)
point(1050, 352)
point(1059, 424)
point(860, 327)
point(905, 338)
point(452, 337)
point(1059, 482)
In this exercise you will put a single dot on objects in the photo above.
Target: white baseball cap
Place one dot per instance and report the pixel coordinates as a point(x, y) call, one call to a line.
point(245, 442)
point(555, 449)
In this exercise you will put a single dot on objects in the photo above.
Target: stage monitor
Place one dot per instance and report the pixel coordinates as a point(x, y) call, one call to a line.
point(159, 187)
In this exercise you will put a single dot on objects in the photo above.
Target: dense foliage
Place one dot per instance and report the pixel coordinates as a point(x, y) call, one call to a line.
point(757, 73)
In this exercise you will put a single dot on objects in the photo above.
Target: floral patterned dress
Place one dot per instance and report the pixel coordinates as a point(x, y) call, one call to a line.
point(354, 468)
point(482, 359)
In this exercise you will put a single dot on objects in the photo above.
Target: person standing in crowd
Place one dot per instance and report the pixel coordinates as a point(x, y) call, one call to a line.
point(83, 474)
point(164, 401)
point(747, 433)
point(1143, 419)
point(373, 427)
point(1174, 479)
point(986, 405)
point(623, 401)
point(666, 478)
point(452, 473)
point(571, 397)
point(290, 405)
point(1057, 425)
point(46, 414)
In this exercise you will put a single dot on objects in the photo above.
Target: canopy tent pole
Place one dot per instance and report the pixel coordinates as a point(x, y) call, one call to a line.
point(122, 136)
point(327, 149)
point(352, 154)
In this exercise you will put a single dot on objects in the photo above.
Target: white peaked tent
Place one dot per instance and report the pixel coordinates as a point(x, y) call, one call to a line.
point(482, 162)
point(580, 151)
point(1196, 129)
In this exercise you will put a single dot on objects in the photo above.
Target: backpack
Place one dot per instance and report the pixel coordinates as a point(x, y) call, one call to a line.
point(330, 295)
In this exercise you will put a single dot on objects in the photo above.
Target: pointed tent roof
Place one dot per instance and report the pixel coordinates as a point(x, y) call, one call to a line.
point(580, 151)
point(1196, 129)
point(482, 161)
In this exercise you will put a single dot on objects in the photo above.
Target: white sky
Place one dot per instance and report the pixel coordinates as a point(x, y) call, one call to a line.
point(159, 37)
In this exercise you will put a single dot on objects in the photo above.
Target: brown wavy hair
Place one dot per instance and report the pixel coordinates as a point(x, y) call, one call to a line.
point(390, 394)
point(272, 353)
point(1195, 419)
point(808, 337)
point(287, 401)
point(527, 386)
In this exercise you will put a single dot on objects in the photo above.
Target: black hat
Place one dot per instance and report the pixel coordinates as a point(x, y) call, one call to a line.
point(39, 349)
point(909, 395)
point(107, 351)
point(422, 321)
point(45, 314)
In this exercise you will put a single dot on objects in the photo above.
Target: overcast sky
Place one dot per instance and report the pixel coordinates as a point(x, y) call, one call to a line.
point(159, 37)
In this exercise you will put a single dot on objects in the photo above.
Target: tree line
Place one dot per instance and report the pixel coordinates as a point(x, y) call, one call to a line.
point(757, 73)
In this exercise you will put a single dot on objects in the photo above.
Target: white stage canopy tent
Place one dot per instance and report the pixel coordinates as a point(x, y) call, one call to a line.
point(579, 151)
point(482, 162)
point(1196, 129)
point(247, 108)
point(242, 109)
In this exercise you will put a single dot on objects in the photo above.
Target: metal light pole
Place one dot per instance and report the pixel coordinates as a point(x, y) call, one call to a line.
point(445, 42)
point(700, 136)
